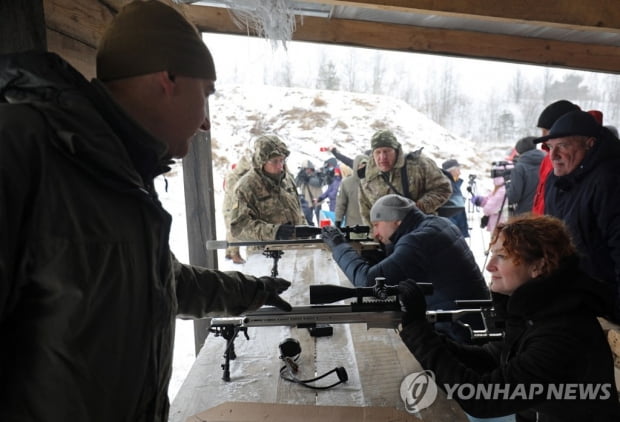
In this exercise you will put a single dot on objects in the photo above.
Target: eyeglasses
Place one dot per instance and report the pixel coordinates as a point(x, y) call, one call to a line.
point(277, 162)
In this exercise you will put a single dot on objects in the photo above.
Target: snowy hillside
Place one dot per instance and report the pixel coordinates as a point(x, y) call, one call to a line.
point(308, 119)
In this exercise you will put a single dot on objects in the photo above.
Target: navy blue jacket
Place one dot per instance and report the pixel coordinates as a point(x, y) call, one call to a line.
point(588, 201)
point(428, 249)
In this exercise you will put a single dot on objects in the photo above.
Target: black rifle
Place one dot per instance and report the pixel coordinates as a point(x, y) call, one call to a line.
point(305, 239)
point(384, 311)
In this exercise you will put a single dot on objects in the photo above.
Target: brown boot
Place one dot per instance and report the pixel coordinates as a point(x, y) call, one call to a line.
point(236, 258)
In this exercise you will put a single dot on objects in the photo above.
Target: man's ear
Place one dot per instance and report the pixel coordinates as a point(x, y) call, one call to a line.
point(167, 82)
point(590, 142)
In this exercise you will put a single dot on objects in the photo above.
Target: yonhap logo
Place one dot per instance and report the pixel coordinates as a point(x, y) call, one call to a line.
point(418, 391)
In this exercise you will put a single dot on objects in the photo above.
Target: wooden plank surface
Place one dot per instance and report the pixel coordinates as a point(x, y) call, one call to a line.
point(376, 360)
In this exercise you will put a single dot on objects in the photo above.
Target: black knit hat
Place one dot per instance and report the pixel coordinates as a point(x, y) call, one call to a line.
point(553, 112)
point(575, 123)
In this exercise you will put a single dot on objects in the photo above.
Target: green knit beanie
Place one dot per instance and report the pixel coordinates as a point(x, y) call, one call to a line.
point(384, 138)
point(149, 36)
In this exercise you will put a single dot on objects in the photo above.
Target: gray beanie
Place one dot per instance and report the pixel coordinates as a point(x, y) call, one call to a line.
point(391, 208)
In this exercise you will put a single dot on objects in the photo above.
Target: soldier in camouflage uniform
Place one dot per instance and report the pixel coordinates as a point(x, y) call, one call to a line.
point(231, 179)
point(423, 182)
point(266, 203)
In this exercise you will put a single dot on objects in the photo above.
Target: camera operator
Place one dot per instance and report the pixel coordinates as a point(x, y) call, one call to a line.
point(524, 178)
point(494, 204)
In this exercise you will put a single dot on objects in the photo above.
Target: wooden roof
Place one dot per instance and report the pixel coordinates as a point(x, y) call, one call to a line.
point(560, 33)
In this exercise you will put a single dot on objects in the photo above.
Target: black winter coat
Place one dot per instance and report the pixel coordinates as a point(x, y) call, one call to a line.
point(428, 249)
point(89, 290)
point(588, 201)
point(552, 338)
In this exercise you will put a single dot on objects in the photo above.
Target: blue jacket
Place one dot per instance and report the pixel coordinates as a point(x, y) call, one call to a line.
point(428, 249)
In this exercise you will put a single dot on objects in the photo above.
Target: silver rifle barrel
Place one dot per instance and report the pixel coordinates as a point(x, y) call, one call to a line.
point(310, 315)
point(330, 314)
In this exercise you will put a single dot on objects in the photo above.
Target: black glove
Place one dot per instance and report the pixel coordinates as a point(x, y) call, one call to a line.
point(412, 302)
point(306, 231)
point(274, 286)
point(332, 236)
point(285, 232)
point(338, 224)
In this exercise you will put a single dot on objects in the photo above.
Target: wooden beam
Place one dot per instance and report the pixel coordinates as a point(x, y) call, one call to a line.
point(200, 213)
point(469, 44)
point(574, 14)
point(22, 26)
point(79, 55)
point(83, 21)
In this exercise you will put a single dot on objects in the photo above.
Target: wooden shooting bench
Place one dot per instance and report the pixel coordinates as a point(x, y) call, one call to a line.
point(375, 360)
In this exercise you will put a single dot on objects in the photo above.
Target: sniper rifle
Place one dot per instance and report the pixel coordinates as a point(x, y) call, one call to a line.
point(305, 239)
point(382, 311)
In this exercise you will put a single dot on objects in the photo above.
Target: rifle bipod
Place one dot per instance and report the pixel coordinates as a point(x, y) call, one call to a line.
point(229, 333)
point(276, 255)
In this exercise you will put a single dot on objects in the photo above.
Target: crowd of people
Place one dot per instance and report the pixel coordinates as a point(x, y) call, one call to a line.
point(84, 236)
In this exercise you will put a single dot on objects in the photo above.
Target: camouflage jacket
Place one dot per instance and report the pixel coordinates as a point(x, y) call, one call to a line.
point(427, 185)
point(263, 203)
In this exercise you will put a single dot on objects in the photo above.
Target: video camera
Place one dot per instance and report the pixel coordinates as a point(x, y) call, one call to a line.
point(501, 169)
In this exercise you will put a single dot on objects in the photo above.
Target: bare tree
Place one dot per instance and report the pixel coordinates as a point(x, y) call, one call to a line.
point(517, 87)
point(351, 69)
point(378, 72)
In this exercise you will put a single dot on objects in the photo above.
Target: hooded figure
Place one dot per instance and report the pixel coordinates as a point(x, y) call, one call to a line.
point(347, 201)
point(524, 177)
point(266, 196)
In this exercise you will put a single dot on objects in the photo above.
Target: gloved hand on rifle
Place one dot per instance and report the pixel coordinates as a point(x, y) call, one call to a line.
point(332, 236)
point(285, 232)
point(412, 302)
point(274, 286)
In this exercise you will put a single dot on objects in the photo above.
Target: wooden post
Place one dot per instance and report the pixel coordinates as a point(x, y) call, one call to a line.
point(22, 26)
point(200, 211)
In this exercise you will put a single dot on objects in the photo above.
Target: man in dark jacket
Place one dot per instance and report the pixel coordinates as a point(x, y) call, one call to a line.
point(454, 208)
point(89, 289)
point(427, 248)
point(584, 191)
point(521, 185)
